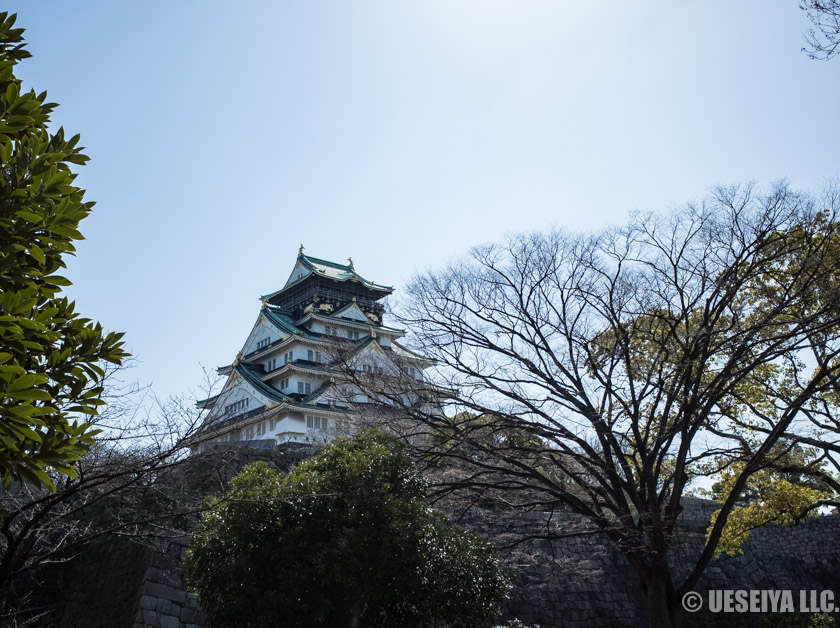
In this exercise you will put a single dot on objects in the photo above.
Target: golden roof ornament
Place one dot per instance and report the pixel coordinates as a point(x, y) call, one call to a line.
point(350, 259)
point(372, 333)
point(300, 251)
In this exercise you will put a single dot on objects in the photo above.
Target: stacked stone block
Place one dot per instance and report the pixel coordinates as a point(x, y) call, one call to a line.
point(576, 582)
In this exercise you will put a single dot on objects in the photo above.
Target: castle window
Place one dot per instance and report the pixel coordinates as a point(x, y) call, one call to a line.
point(262, 344)
point(310, 355)
point(287, 357)
point(284, 383)
point(353, 335)
point(304, 388)
point(316, 423)
point(236, 408)
point(317, 356)
point(271, 365)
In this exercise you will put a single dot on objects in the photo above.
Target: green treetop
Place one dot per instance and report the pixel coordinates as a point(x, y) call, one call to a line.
point(346, 539)
point(50, 357)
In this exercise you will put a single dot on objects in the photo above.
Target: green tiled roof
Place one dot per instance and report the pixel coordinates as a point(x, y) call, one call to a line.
point(306, 365)
point(283, 322)
point(411, 353)
point(253, 378)
point(364, 342)
point(319, 390)
point(341, 272)
point(352, 321)
point(332, 270)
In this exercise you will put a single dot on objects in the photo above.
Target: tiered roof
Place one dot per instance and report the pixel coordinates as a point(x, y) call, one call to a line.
point(317, 290)
point(281, 319)
point(328, 270)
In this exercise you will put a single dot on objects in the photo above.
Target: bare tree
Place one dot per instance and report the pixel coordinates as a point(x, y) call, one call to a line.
point(600, 373)
point(823, 38)
point(133, 482)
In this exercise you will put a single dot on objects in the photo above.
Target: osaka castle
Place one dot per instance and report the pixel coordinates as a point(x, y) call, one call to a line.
point(296, 377)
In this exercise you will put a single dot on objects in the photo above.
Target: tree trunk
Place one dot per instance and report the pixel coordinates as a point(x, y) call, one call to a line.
point(663, 609)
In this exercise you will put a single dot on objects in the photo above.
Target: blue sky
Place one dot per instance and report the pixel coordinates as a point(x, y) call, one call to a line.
point(224, 135)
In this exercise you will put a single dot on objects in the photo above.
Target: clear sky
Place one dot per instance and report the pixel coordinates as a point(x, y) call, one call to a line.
point(224, 135)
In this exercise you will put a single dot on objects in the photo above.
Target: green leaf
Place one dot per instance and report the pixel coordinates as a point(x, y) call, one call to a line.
point(26, 381)
point(30, 216)
point(59, 280)
point(30, 394)
point(36, 252)
point(50, 356)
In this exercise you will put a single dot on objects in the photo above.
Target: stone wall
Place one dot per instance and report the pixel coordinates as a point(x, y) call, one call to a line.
point(132, 579)
point(118, 582)
point(584, 582)
point(577, 582)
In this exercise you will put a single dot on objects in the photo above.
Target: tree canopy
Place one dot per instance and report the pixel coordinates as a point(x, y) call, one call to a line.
point(50, 356)
point(785, 491)
point(704, 340)
point(345, 539)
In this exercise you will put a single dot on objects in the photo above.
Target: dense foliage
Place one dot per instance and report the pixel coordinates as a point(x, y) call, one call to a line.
point(346, 539)
point(50, 357)
point(785, 492)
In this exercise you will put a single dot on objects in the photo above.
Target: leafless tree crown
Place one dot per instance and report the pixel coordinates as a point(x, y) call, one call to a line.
point(823, 38)
point(600, 373)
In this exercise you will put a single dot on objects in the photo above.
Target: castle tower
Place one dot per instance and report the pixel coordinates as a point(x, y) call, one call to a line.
point(290, 381)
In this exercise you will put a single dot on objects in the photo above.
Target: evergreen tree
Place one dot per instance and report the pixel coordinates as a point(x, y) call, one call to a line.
point(346, 539)
point(50, 356)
